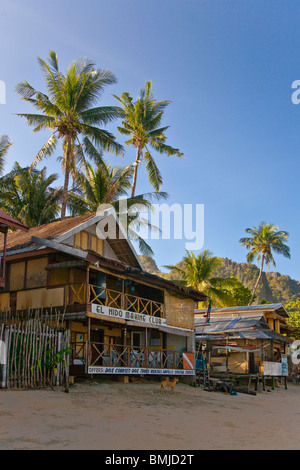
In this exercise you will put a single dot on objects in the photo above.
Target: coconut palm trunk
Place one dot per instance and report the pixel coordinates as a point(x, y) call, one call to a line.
point(68, 156)
point(136, 166)
point(257, 282)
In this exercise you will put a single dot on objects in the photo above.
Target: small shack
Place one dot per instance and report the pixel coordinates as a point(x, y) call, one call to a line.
point(239, 342)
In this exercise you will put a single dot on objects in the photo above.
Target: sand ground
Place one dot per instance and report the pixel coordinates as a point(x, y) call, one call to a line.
point(135, 416)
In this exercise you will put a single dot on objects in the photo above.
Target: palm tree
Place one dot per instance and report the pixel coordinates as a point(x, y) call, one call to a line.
point(104, 184)
point(142, 121)
point(198, 272)
point(66, 111)
point(27, 195)
point(262, 241)
point(100, 184)
point(5, 143)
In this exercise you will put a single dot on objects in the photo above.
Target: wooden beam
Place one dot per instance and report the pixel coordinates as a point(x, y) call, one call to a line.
point(106, 318)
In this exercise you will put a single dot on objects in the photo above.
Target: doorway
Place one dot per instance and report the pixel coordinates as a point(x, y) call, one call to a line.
point(97, 340)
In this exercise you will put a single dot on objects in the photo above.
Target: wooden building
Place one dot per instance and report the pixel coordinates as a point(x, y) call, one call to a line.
point(122, 319)
point(241, 339)
point(6, 223)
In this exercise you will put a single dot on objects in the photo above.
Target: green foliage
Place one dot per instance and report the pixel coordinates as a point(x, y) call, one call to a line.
point(104, 184)
point(28, 196)
point(273, 287)
point(5, 143)
point(294, 310)
point(264, 302)
point(198, 272)
point(51, 359)
point(66, 110)
point(142, 125)
point(261, 243)
point(239, 294)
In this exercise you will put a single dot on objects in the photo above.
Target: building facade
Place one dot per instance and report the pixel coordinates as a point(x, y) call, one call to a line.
point(242, 339)
point(122, 319)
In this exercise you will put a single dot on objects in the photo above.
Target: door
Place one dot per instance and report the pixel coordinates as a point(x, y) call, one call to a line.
point(97, 340)
point(251, 363)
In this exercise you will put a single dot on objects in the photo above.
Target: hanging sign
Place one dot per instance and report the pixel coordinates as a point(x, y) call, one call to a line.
point(139, 370)
point(127, 315)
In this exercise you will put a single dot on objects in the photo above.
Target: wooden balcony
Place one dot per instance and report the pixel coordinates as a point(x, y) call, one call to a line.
point(113, 355)
point(83, 293)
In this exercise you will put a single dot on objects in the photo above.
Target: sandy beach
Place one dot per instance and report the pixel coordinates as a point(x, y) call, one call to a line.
point(135, 416)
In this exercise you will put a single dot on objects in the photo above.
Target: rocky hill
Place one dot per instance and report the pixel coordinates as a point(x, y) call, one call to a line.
point(273, 286)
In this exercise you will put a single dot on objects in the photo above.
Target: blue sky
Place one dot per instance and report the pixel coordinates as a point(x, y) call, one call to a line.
point(227, 67)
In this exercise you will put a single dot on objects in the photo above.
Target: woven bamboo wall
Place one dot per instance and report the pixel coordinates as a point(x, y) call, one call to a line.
point(179, 312)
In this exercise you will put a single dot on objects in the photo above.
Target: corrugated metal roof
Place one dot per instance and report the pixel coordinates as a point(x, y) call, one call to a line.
point(251, 327)
point(223, 324)
point(248, 309)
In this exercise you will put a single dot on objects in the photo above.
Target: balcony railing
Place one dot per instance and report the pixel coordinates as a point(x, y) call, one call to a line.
point(113, 355)
point(83, 293)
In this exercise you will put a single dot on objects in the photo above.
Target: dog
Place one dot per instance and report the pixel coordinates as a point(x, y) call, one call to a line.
point(168, 383)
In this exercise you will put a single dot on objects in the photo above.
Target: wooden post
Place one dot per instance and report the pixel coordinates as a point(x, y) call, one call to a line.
point(5, 340)
point(146, 349)
point(4, 253)
point(87, 287)
point(58, 376)
point(88, 358)
point(125, 344)
point(123, 295)
point(227, 353)
point(67, 367)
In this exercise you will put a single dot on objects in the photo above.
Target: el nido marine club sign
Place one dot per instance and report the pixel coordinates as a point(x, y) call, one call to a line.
point(142, 319)
point(127, 315)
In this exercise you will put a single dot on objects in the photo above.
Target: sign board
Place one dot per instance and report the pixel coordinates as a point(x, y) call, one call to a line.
point(127, 315)
point(140, 371)
point(188, 361)
point(273, 369)
point(284, 362)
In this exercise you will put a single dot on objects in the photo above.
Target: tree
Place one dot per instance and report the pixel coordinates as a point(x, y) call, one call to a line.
point(67, 111)
point(198, 272)
point(262, 242)
point(5, 143)
point(99, 184)
point(265, 302)
point(27, 195)
point(239, 295)
point(294, 319)
point(142, 121)
point(103, 184)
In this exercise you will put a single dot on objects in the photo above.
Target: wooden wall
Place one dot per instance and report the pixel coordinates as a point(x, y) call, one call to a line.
point(40, 298)
point(4, 301)
point(179, 311)
point(28, 274)
point(87, 241)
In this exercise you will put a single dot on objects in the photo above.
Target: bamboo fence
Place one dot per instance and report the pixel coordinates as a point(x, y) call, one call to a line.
point(34, 351)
